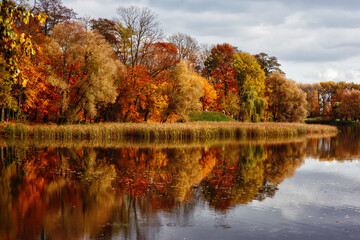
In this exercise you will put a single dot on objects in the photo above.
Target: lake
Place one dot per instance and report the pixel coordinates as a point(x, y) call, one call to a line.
point(306, 188)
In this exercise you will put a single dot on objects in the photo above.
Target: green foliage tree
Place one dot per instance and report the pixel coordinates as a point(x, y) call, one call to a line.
point(254, 106)
point(183, 90)
point(231, 104)
point(287, 102)
point(250, 79)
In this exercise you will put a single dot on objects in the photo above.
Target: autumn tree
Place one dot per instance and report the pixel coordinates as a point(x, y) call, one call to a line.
point(82, 69)
point(7, 99)
point(15, 45)
point(131, 91)
point(268, 64)
point(248, 74)
point(326, 91)
point(250, 79)
point(312, 98)
point(287, 103)
point(183, 90)
point(341, 88)
point(117, 35)
point(350, 106)
point(56, 12)
point(218, 68)
point(139, 94)
point(145, 28)
point(161, 57)
point(208, 100)
point(231, 104)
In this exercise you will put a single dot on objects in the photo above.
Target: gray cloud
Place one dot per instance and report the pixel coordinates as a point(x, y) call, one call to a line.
point(297, 31)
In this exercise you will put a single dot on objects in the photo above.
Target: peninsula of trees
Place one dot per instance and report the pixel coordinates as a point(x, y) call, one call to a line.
point(60, 68)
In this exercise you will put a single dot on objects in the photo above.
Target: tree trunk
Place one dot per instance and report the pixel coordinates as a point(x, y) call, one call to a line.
point(7, 115)
point(146, 115)
point(46, 118)
point(35, 115)
point(164, 118)
point(2, 155)
point(2, 113)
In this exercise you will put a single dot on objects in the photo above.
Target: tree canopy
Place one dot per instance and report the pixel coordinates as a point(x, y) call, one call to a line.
point(60, 68)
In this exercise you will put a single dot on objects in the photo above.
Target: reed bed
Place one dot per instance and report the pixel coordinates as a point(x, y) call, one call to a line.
point(98, 143)
point(182, 132)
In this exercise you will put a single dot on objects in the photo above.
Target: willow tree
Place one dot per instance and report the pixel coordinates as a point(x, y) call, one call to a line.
point(250, 79)
point(184, 90)
point(287, 102)
point(83, 70)
point(254, 105)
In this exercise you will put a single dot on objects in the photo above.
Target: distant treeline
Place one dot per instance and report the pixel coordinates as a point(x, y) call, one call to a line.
point(332, 100)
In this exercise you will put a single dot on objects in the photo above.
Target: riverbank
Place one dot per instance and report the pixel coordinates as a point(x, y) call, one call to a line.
point(332, 122)
point(195, 131)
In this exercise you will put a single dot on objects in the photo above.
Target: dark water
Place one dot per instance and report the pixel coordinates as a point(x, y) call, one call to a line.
point(298, 189)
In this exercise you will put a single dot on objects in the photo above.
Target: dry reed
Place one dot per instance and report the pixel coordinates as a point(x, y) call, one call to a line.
point(196, 131)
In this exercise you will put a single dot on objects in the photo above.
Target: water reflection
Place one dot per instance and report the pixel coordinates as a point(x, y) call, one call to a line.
point(125, 192)
point(346, 146)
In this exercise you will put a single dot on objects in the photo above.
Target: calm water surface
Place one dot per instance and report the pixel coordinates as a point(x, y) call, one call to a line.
point(299, 189)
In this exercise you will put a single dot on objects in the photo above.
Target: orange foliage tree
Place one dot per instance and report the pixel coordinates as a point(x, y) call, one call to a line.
point(220, 71)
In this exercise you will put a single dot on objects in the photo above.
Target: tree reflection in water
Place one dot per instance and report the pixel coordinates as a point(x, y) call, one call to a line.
point(73, 193)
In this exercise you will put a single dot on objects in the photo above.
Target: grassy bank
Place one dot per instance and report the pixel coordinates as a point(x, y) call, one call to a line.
point(208, 116)
point(195, 131)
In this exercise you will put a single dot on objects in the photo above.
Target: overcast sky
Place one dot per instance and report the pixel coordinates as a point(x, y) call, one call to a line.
point(314, 40)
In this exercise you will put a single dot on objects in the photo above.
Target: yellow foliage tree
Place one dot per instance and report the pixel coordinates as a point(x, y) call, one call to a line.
point(183, 91)
point(249, 74)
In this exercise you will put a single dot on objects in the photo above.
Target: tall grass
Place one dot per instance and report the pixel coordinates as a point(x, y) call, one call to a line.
point(195, 131)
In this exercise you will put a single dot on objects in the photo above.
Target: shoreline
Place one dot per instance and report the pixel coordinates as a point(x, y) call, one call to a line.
point(338, 123)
